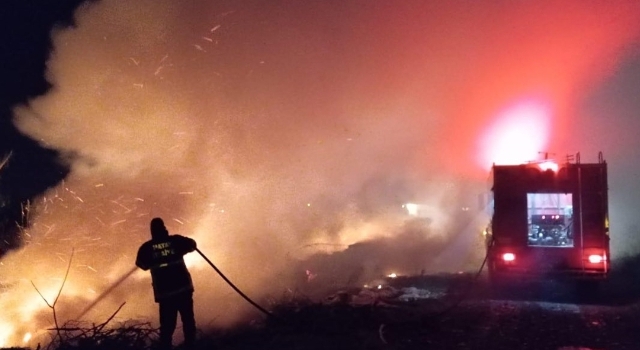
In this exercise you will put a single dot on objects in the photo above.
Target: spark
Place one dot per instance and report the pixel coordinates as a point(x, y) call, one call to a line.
point(134, 61)
point(215, 28)
point(49, 229)
point(127, 209)
point(199, 47)
point(27, 337)
point(118, 222)
point(186, 192)
point(89, 267)
point(5, 160)
point(99, 185)
point(138, 85)
point(158, 70)
point(207, 39)
point(178, 221)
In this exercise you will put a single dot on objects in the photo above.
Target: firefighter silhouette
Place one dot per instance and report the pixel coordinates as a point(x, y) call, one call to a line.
point(172, 285)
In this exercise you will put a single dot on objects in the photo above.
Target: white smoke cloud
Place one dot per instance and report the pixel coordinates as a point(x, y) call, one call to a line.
point(254, 137)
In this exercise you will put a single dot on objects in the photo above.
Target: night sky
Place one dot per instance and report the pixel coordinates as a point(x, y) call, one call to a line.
point(25, 43)
point(260, 127)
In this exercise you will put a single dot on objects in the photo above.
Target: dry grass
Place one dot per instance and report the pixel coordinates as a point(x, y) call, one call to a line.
point(129, 335)
point(296, 323)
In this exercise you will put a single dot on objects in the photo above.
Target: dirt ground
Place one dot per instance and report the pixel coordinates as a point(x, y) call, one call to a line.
point(449, 312)
point(444, 311)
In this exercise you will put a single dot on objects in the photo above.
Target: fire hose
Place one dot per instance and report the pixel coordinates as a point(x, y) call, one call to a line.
point(233, 286)
point(466, 294)
point(130, 272)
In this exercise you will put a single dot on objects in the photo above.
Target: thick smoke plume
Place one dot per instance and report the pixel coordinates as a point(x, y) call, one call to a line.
point(273, 130)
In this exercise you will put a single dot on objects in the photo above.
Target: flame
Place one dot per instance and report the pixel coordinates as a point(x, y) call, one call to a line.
point(6, 333)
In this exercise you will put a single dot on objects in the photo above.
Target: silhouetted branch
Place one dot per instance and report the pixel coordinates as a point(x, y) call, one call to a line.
point(55, 301)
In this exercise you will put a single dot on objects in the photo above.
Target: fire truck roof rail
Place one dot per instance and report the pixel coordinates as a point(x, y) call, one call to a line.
point(600, 157)
point(576, 158)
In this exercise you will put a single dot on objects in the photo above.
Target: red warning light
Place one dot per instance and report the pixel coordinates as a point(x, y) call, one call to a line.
point(548, 165)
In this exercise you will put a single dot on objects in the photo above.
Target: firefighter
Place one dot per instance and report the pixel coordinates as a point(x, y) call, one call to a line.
point(172, 285)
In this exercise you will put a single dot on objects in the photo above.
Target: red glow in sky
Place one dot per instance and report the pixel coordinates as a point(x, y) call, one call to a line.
point(516, 136)
point(504, 51)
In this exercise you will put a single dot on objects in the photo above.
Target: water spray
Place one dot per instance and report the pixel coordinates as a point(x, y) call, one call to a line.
point(106, 292)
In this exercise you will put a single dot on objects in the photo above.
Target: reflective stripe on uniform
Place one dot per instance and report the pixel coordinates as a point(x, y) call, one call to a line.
point(177, 262)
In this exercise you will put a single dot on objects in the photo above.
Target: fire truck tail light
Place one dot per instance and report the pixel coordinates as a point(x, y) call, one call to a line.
point(596, 259)
point(508, 257)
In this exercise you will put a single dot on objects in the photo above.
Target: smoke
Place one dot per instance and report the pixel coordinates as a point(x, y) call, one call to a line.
point(271, 130)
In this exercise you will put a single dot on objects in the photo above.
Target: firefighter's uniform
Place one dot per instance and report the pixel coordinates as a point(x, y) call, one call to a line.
point(172, 285)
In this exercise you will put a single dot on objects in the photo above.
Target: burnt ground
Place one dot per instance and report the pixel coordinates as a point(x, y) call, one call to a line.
point(454, 311)
point(444, 311)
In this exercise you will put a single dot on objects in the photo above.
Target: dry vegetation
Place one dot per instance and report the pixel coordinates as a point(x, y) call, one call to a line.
point(351, 319)
point(367, 318)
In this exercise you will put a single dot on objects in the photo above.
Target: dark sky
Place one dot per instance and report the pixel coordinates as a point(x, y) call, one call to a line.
point(25, 42)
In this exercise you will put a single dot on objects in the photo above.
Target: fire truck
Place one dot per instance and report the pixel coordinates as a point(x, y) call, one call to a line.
point(549, 219)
